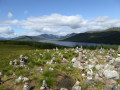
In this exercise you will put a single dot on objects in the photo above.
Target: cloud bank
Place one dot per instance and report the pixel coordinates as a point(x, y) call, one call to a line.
point(60, 24)
point(10, 15)
point(6, 32)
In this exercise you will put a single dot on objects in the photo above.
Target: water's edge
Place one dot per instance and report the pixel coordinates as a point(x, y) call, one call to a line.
point(69, 44)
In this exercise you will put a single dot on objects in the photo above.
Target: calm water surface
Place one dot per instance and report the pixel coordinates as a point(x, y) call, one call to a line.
point(69, 44)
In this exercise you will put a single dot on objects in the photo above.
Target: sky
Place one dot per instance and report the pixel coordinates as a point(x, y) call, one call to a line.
point(58, 17)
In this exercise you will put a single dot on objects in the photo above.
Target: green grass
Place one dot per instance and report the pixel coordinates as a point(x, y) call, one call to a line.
point(61, 72)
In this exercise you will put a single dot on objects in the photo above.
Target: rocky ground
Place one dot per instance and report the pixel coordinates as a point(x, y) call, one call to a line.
point(64, 69)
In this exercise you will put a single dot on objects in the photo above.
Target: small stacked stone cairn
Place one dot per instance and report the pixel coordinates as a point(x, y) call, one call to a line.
point(10, 63)
point(23, 61)
point(0, 78)
point(118, 49)
point(15, 62)
point(44, 86)
point(26, 86)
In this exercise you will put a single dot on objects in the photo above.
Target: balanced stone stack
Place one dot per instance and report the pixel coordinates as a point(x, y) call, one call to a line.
point(15, 62)
point(118, 49)
point(44, 86)
point(21, 63)
point(10, 63)
point(0, 78)
point(26, 86)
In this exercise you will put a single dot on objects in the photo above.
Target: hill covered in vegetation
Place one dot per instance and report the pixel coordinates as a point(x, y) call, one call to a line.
point(109, 36)
point(41, 37)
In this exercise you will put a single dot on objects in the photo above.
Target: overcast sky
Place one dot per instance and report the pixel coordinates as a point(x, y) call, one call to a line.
point(59, 17)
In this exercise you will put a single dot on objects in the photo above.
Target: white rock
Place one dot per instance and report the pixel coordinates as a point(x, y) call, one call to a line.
point(99, 66)
point(76, 86)
point(117, 59)
point(51, 69)
point(18, 80)
point(83, 74)
point(118, 55)
point(111, 74)
point(91, 66)
point(74, 59)
point(111, 61)
point(76, 64)
point(25, 79)
point(89, 77)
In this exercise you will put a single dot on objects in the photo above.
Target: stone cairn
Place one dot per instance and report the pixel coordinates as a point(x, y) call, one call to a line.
point(23, 61)
point(44, 86)
point(26, 86)
point(15, 62)
point(118, 49)
point(0, 78)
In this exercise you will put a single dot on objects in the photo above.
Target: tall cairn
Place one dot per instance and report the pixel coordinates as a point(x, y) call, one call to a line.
point(119, 49)
point(0, 78)
point(80, 56)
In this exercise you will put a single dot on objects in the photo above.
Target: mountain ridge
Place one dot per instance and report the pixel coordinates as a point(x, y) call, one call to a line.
point(42, 37)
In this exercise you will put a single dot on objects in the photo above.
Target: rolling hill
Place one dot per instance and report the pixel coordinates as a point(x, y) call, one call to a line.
point(29, 38)
point(42, 37)
point(109, 36)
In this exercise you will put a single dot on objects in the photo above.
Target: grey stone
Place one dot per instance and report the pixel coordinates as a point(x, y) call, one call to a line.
point(76, 86)
point(0, 78)
point(111, 74)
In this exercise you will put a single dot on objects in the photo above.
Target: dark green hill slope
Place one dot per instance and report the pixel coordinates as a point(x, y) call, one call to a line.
point(109, 36)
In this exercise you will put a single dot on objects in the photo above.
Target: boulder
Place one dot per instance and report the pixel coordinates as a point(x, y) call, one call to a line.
point(117, 59)
point(111, 74)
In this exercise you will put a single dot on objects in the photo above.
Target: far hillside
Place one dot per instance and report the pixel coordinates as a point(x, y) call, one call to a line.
point(109, 36)
point(41, 37)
